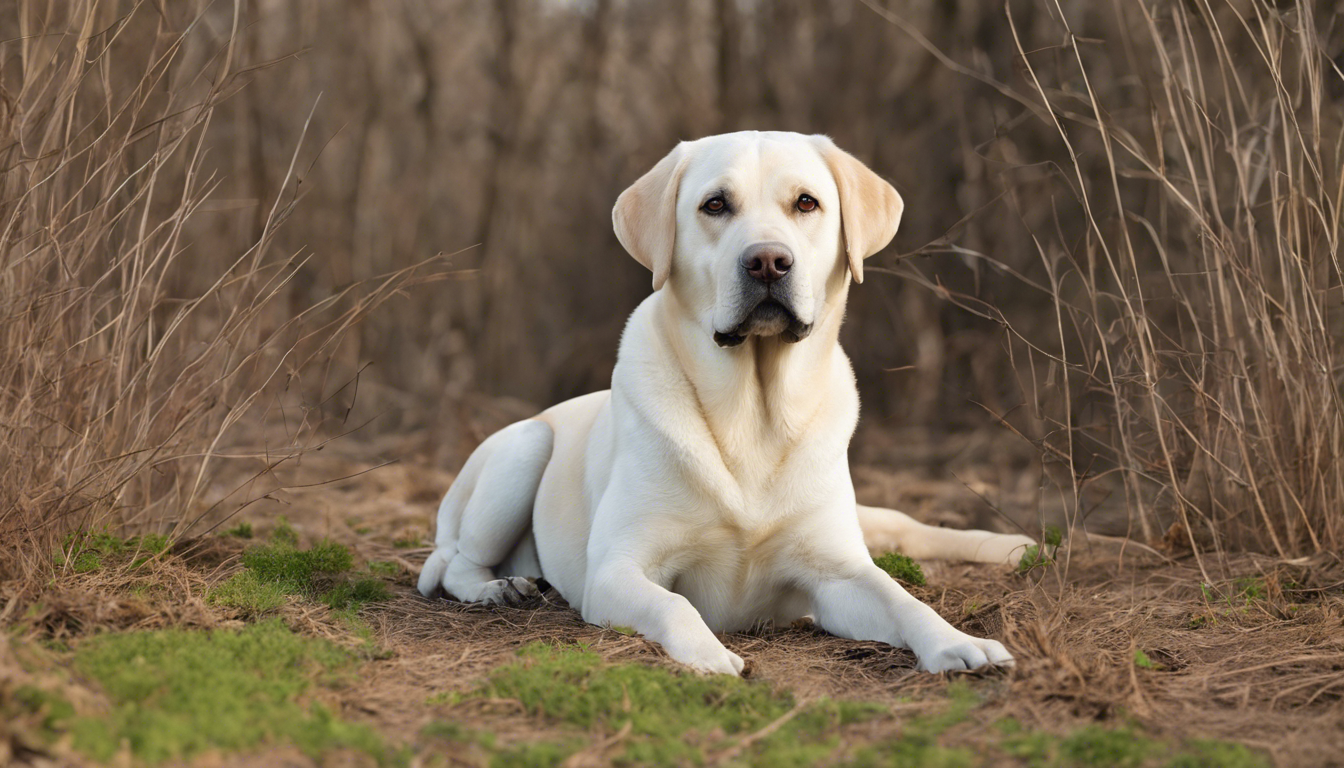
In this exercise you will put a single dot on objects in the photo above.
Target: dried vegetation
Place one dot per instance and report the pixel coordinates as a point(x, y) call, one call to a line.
point(1119, 314)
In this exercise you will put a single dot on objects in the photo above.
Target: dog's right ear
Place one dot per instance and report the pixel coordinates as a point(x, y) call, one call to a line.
point(645, 216)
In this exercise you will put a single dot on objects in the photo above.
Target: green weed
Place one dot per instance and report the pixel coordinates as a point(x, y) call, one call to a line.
point(1240, 597)
point(1251, 588)
point(1041, 555)
point(1032, 559)
point(239, 531)
point(901, 568)
point(176, 693)
point(87, 551)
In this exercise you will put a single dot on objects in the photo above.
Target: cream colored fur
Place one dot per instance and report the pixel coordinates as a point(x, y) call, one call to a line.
point(708, 490)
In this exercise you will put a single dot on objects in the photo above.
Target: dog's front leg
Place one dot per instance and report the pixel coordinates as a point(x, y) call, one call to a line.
point(869, 605)
point(621, 594)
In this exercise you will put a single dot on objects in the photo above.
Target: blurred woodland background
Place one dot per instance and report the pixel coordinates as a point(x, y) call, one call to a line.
point(1121, 247)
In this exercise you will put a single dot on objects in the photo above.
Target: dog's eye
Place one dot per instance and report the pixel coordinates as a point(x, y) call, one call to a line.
point(715, 205)
point(806, 203)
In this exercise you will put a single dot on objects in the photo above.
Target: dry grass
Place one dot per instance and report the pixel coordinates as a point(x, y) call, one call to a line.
point(134, 357)
point(1186, 216)
point(1204, 295)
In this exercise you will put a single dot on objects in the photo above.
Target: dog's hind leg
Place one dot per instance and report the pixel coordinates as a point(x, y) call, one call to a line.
point(886, 530)
point(487, 515)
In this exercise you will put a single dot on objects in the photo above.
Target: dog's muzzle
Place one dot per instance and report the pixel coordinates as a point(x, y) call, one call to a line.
point(766, 298)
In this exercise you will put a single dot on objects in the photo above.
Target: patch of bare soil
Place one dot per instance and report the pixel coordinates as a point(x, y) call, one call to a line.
point(1247, 649)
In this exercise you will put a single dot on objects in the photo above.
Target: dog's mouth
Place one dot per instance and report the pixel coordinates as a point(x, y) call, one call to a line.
point(768, 318)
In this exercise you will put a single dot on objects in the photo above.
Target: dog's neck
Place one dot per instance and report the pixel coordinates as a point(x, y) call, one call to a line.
point(763, 395)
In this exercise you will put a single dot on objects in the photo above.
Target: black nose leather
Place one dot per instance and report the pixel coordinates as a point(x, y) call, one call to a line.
point(767, 262)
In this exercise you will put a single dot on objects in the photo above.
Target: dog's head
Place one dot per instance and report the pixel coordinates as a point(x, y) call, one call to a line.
point(757, 233)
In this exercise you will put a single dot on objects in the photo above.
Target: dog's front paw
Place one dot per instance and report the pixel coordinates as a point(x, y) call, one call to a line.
point(963, 652)
point(707, 656)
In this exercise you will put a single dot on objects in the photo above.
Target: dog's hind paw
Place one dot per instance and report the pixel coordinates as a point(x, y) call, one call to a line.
point(512, 590)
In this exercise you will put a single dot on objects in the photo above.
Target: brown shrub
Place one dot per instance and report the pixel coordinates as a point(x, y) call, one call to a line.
point(131, 356)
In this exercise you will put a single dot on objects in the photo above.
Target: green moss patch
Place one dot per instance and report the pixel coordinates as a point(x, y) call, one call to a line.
point(901, 568)
point(665, 718)
point(87, 551)
point(294, 569)
point(918, 740)
point(247, 593)
point(239, 531)
point(1095, 746)
point(280, 568)
point(673, 719)
point(1209, 753)
point(176, 693)
point(356, 592)
point(36, 717)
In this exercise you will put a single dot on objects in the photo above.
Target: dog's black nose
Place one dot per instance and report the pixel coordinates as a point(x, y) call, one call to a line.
point(767, 262)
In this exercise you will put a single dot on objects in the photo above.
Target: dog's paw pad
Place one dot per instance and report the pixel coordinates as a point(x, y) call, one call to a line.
point(499, 592)
point(524, 587)
point(513, 590)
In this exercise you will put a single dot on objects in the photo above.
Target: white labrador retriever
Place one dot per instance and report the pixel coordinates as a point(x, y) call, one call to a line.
point(708, 490)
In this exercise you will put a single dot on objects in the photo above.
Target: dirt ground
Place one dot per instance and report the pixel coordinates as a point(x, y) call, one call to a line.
point(1247, 649)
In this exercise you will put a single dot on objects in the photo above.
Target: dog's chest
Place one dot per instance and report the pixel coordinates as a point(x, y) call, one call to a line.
point(761, 467)
point(735, 577)
point(739, 554)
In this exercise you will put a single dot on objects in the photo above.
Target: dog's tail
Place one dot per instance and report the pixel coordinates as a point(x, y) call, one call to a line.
point(488, 509)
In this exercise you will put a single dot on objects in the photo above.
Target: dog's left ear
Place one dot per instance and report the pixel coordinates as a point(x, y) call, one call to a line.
point(645, 216)
point(870, 208)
